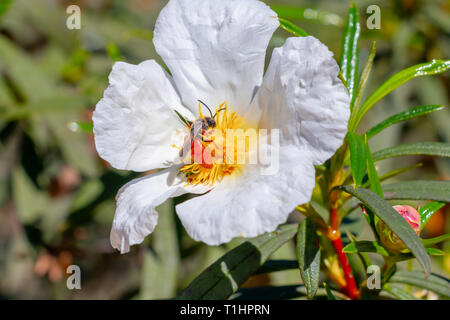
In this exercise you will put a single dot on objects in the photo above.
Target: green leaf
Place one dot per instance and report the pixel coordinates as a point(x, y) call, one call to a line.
point(113, 52)
point(329, 293)
point(87, 127)
point(308, 256)
point(398, 292)
point(376, 247)
point(402, 116)
point(4, 6)
point(418, 190)
point(394, 221)
point(424, 69)
point(432, 241)
point(299, 13)
point(277, 265)
point(427, 211)
point(159, 273)
point(366, 246)
point(364, 78)
point(278, 292)
point(394, 173)
point(270, 292)
point(358, 156)
point(374, 180)
point(433, 282)
point(223, 277)
point(439, 149)
point(292, 28)
point(350, 52)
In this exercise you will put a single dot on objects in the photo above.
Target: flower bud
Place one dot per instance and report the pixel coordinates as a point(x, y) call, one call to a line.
point(390, 240)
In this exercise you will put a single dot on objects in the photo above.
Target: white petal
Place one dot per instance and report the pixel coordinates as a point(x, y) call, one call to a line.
point(303, 96)
point(135, 124)
point(252, 203)
point(136, 215)
point(215, 49)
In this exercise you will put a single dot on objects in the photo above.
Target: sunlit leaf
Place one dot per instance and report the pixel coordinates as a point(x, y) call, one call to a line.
point(292, 28)
point(350, 50)
point(427, 211)
point(440, 149)
point(424, 69)
point(299, 13)
point(406, 115)
point(363, 79)
point(358, 156)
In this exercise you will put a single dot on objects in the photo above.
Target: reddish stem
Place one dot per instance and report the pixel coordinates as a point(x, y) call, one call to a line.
point(350, 289)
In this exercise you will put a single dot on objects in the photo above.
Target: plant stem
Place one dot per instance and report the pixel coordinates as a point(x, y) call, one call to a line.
point(335, 237)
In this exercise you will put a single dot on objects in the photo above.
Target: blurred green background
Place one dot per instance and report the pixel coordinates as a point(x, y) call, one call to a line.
point(57, 196)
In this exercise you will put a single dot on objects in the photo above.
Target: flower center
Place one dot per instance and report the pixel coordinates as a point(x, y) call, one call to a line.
point(213, 147)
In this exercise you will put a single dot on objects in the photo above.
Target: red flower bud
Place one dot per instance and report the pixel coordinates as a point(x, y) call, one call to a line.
point(390, 240)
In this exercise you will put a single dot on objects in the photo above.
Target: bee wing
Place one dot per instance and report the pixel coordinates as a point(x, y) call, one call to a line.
point(186, 149)
point(197, 126)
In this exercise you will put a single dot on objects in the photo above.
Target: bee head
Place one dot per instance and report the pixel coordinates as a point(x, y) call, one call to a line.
point(210, 121)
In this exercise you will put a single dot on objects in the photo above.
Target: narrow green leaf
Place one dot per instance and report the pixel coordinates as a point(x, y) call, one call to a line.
point(398, 292)
point(432, 241)
point(439, 149)
point(374, 180)
point(113, 52)
point(433, 282)
point(299, 13)
point(329, 293)
point(277, 265)
point(364, 78)
point(394, 221)
point(4, 6)
point(376, 247)
point(278, 292)
point(358, 156)
point(418, 190)
point(223, 277)
point(406, 115)
point(292, 28)
point(424, 69)
point(394, 173)
point(270, 292)
point(365, 246)
point(81, 126)
point(308, 256)
point(427, 211)
point(350, 53)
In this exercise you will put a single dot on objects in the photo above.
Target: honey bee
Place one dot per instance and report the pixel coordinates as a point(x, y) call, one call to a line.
point(197, 130)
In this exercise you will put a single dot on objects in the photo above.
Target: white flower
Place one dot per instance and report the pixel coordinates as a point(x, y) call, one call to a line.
point(215, 51)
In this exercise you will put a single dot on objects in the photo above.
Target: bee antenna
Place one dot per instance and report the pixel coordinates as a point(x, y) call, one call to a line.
point(206, 107)
point(218, 112)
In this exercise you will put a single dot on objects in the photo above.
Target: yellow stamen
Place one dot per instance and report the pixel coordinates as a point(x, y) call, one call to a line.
point(213, 140)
